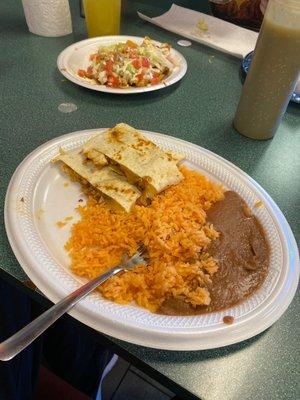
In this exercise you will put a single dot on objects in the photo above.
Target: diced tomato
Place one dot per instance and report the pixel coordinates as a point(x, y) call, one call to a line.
point(89, 72)
point(155, 80)
point(140, 76)
point(145, 62)
point(109, 66)
point(81, 73)
point(113, 81)
point(136, 63)
point(157, 77)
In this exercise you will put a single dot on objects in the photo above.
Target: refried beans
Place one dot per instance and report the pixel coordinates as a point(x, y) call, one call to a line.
point(242, 254)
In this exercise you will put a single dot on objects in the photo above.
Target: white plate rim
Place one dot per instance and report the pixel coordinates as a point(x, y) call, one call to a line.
point(208, 339)
point(62, 65)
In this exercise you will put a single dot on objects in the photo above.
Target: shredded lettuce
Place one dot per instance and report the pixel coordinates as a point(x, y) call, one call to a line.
point(128, 64)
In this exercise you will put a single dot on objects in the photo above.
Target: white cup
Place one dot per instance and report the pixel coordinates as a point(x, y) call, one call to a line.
point(48, 17)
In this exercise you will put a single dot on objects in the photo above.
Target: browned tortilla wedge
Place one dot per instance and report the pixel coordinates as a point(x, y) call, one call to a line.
point(140, 160)
point(104, 179)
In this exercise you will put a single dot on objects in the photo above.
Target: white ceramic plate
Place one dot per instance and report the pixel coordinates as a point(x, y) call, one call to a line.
point(76, 57)
point(38, 197)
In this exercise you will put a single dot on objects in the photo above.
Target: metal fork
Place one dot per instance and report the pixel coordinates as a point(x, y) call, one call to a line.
point(20, 340)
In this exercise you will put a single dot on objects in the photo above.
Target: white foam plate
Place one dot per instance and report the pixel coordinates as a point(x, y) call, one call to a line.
point(76, 57)
point(37, 198)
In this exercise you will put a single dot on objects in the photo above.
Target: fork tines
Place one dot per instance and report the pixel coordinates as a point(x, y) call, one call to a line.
point(140, 257)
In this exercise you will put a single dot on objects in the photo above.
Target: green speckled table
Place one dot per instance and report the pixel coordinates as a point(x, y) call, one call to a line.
point(199, 109)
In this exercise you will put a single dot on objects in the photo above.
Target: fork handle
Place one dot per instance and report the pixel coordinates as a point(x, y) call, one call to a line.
point(21, 339)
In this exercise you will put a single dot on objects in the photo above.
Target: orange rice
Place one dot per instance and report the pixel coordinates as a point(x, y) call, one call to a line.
point(173, 229)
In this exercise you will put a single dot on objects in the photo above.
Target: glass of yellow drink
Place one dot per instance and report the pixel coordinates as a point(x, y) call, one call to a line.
point(102, 17)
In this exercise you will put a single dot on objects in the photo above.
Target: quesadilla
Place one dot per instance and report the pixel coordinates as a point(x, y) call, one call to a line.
point(107, 181)
point(98, 158)
point(142, 162)
point(174, 157)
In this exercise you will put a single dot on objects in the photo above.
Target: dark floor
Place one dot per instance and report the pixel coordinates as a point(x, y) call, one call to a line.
point(128, 383)
point(125, 382)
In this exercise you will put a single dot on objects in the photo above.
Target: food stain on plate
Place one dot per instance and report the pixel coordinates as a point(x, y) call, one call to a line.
point(64, 222)
point(21, 206)
point(228, 319)
point(39, 213)
point(258, 204)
